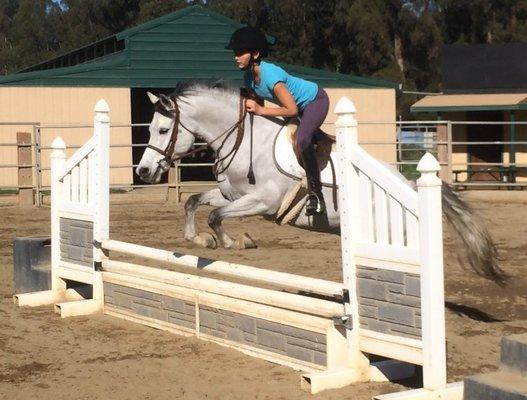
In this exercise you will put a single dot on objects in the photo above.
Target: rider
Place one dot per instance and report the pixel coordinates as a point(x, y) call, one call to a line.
point(295, 97)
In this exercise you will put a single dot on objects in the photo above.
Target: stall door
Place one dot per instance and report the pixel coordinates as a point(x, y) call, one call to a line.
point(484, 153)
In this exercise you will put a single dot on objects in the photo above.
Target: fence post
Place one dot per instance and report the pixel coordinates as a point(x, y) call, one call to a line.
point(347, 138)
point(57, 161)
point(450, 149)
point(101, 184)
point(432, 280)
point(25, 169)
point(37, 136)
point(442, 153)
point(173, 183)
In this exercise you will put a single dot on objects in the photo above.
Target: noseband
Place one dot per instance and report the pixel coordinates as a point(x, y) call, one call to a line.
point(174, 114)
point(167, 161)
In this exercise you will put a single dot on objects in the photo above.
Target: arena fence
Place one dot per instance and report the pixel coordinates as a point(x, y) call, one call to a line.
point(28, 174)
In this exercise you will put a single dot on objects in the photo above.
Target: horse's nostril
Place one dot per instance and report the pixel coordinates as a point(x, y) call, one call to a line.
point(144, 171)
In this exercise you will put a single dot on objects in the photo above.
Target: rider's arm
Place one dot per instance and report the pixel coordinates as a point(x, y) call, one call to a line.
point(287, 108)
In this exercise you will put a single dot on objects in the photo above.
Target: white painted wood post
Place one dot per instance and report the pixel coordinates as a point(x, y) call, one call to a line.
point(347, 138)
point(432, 280)
point(101, 184)
point(57, 161)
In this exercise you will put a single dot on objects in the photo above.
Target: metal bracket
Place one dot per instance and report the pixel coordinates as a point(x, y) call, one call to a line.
point(345, 321)
point(345, 296)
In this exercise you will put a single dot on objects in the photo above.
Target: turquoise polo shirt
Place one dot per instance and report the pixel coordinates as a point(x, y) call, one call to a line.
point(302, 91)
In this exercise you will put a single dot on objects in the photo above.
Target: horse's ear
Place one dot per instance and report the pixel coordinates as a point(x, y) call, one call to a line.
point(167, 102)
point(153, 98)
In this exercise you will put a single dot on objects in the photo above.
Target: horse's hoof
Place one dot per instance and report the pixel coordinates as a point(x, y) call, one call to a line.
point(206, 240)
point(245, 242)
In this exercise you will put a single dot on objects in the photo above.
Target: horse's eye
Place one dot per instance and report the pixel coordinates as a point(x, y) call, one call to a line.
point(163, 131)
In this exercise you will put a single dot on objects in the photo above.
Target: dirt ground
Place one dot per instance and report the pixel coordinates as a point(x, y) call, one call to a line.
point(101, 357)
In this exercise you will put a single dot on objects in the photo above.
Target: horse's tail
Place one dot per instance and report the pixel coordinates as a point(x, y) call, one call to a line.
point(481, 251)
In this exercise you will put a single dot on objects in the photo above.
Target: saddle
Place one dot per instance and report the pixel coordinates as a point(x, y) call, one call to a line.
point(289, 162)
point(324, 143)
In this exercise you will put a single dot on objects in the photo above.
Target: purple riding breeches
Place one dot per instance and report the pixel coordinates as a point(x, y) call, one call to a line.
point(311, 118)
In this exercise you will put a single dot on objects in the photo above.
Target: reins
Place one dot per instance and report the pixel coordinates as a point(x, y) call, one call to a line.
point(239, 137)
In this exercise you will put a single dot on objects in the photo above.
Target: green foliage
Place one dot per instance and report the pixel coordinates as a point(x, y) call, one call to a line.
point(151, 9)
point(29, 32)
point(398, 40)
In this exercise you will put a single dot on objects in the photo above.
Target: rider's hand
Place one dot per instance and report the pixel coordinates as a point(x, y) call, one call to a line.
point(252, 106)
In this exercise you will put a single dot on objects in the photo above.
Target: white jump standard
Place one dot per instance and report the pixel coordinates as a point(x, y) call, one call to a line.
point(390, 304)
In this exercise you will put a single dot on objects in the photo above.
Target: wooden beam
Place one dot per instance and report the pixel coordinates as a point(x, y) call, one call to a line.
point(442, 154)
point(25, 169)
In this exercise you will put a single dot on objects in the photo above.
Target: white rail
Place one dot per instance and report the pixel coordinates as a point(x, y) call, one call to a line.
point(291, 281)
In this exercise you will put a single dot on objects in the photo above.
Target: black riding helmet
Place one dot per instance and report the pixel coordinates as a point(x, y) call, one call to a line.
point(249, 38)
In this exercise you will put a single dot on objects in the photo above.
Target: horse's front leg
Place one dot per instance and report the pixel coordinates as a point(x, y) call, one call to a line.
point(212, 197)
point(242, 207)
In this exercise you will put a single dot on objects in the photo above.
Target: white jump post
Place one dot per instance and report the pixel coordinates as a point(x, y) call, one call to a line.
point(432, 278)
point(58, 160)
point(373, 205)
point(79, 214)
point(100, 180)
point(435, 384)
point(347, 137)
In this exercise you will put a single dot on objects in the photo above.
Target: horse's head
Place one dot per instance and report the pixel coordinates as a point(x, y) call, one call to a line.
point(168, 139)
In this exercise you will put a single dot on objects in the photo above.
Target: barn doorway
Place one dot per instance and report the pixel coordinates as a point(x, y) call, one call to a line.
point(485, 153)
point(142, 112)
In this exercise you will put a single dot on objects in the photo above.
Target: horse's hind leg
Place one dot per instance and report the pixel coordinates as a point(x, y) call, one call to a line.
point(242, 207)
point(212, 197)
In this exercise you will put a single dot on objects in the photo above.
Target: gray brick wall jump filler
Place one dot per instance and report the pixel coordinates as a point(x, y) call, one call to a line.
point(76, 241)
point(389, 302)
point(274, 337)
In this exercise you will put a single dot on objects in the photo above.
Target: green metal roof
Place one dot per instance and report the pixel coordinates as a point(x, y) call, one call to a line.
point(186, 44)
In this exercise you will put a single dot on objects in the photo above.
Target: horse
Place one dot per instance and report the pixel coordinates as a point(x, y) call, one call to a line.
point(250, 181)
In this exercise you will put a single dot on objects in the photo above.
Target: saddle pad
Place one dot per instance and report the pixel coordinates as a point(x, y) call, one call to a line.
point(285, 157)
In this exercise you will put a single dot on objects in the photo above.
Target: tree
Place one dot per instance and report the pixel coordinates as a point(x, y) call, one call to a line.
point(363, 43)
point(151, 9)
point(87, 21)
point(34, 34)
point(7, 11)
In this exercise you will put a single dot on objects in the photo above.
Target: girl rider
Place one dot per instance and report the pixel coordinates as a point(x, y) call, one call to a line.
point(295, 97)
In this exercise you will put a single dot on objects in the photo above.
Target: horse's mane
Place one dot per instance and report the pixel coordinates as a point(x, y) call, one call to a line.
point(185, 88)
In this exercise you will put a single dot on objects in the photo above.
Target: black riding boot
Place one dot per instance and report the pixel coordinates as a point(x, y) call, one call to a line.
point(315, 201)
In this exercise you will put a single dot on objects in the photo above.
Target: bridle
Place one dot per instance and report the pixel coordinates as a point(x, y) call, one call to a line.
point(174, 114)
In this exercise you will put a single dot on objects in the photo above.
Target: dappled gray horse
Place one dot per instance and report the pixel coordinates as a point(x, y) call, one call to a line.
point(215, 114)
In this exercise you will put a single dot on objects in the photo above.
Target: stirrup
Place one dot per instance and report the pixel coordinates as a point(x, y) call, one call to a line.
point(315, 205)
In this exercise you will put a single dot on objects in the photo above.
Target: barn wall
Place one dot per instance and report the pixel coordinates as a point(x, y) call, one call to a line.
point(74, 106)
point(376, 115)
point(63, 106)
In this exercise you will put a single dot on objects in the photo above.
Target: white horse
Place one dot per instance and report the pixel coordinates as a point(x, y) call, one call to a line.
point(214, 113)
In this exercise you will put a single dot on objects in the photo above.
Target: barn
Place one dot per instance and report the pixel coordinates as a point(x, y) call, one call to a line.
point(56, 97)
point(484, 96)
